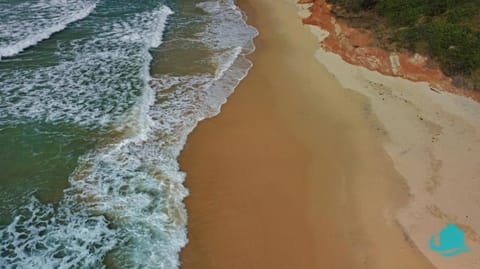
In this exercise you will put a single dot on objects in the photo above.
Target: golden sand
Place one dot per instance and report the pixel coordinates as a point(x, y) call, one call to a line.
point(292, 172)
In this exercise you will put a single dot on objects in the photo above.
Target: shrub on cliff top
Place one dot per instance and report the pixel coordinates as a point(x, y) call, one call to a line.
point(446, 30)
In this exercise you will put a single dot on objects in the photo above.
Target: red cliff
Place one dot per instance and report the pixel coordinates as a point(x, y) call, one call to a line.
point(353, 45)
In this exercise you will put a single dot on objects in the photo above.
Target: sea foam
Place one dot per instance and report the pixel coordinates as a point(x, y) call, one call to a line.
point(21, 28)
point(111, 185)
point(125, 201)
point(96, 81)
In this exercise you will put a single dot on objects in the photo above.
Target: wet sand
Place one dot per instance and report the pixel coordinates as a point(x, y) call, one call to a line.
point(292, 173)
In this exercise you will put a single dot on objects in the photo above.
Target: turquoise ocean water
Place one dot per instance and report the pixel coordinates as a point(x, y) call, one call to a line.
point(97, 98)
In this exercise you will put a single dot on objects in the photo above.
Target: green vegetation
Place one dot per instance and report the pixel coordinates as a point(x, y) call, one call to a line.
point(446, 30)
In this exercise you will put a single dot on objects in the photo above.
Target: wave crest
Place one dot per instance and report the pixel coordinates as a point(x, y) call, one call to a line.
point(22, 28)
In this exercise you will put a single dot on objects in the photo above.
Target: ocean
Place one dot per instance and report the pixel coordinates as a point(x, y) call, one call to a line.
point(97, 98)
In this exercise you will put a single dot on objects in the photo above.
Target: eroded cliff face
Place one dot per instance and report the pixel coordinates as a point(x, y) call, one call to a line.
point(354, 46)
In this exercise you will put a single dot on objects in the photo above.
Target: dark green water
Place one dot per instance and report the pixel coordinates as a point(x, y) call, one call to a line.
point(96, 101)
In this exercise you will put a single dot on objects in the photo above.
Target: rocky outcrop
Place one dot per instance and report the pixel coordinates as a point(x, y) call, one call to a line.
point(354, 46)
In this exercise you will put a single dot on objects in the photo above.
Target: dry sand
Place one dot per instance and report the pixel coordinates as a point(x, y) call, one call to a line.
point(433, 139)
point(292, 173)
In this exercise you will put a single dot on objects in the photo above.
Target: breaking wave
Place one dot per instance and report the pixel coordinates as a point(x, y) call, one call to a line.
point(22, 28)
point(124, 205)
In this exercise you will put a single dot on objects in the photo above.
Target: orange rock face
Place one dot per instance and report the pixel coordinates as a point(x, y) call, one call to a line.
point(353, 45)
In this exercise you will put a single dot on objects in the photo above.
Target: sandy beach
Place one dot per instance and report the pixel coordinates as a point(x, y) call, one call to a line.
point(433, 138)
point(296, 171)
point(240, 134)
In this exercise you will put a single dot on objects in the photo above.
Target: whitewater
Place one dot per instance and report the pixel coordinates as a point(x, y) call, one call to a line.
point(86, 66)
point(22, 28)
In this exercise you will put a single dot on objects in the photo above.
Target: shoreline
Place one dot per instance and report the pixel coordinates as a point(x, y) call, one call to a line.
point(292, 173)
